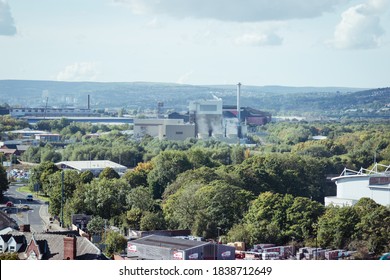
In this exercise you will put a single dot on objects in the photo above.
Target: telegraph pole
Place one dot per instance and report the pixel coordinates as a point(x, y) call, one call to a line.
point(62, 198)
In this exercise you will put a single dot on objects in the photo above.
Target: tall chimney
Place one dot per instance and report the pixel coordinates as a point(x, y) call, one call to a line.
point(24, 228)
point(70, 247)
point(89, 102)
point(238, 110)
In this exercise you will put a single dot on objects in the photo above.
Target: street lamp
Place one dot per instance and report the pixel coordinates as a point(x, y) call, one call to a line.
point(62, 198)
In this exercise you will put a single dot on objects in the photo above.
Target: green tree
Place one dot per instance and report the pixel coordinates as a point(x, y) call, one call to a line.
point(115, 243)
point(224, 205)
point(336, 227)
point(71, 181)
point(106, 198)
point(109, 173)
point(40, 176)
point(266, 218)
point(133, 218)
point(201, 157)
point(86, 176)
point(374, 225)
point(301, 216)
point(141, 198)
point(152, 221)
point(237, 154)
point(96, 226)
point(138, 177)
point(240, 233)
point(4, 184)
point(166, 166)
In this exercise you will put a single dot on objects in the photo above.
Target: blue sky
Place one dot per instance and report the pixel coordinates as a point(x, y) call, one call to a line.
point(257, 42)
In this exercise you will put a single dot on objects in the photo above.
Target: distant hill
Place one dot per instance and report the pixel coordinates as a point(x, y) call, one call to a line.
point(143, 95)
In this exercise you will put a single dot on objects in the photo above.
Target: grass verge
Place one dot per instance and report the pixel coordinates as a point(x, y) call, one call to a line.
point(26, 189)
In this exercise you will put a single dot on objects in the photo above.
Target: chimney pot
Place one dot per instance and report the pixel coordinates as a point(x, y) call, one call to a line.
point(24, 228)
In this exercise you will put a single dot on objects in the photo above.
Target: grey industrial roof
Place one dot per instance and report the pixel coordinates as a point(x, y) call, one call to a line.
point(168, 242)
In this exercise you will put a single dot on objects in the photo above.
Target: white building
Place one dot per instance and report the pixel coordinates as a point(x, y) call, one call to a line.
point(171, 129)
point(46, 112)
point(95, 166)
point(354, 185)
point(207, 115)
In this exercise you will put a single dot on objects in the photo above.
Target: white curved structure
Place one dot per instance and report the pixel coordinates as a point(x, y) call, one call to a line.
point(353, 185)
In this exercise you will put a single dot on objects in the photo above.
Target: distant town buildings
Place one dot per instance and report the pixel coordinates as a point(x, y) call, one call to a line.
point(50, 112)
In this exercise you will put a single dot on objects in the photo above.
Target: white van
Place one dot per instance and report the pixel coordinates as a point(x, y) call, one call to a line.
point(29, 197)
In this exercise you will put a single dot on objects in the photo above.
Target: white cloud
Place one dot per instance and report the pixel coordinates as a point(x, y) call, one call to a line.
point(259, 39)
point(80, 71)
point(153, 23)
point(234, 10)
point(7, 24)
point(360, 26)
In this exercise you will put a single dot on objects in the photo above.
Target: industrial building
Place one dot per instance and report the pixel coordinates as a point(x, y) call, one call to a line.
point(171, 129)
point(50, 112)
point(205, 119)
point(155, 247)
point(249, 116)
point(354, 185)
point(95, 166)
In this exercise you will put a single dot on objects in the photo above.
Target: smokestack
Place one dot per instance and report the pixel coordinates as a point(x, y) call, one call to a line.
point(89, 103)
point(238, 110)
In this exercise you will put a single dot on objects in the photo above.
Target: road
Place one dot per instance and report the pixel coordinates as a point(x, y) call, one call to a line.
point(32, 216)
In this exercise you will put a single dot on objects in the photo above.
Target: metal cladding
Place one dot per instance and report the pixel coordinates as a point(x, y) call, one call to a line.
point(169, 248)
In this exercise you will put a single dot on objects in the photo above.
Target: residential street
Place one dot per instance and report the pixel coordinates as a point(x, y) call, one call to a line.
point(37, 214)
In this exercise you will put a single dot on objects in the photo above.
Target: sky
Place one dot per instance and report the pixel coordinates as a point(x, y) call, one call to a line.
point(342, 43)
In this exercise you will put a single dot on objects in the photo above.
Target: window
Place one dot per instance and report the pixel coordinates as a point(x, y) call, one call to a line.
point(210, 108)
point(179, 132)
point(12, 248)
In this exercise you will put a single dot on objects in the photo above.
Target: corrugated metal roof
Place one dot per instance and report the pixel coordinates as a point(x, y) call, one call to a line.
point(168, 242)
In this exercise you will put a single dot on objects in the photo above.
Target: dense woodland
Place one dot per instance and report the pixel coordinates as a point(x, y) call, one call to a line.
point(270, 193)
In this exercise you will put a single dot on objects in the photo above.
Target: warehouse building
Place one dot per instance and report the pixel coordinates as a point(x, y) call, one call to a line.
point(95, 166)
point(170, 129)
point(155, 247)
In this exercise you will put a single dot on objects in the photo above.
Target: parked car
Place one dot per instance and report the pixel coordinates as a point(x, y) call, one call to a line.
point(9, 204)
point(25, 207)
point(29, 197)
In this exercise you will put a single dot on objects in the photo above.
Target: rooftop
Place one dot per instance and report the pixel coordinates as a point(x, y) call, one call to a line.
point(89, 164)
point(377, 170)
point(168, 242)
